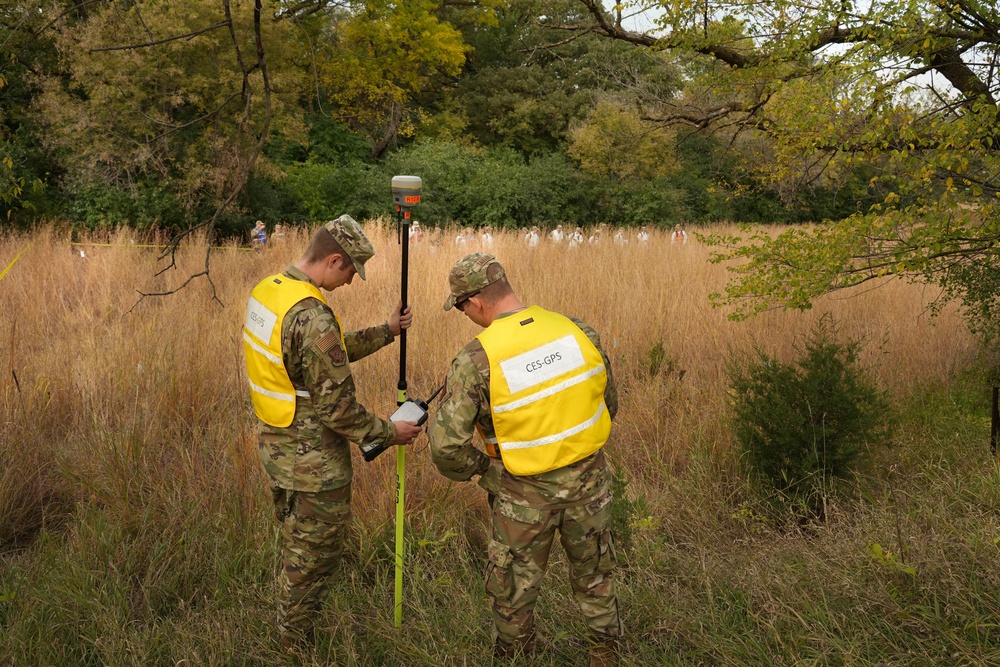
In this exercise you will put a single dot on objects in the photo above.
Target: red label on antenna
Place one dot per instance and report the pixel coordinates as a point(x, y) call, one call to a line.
point(411, 199)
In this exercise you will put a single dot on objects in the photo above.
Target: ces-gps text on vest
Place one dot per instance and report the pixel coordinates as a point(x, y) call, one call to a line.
point(542, 363)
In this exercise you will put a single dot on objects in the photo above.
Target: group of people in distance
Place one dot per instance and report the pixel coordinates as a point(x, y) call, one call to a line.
point(620, 237)
point(468, 238)
point(258, 237)
point(532, 236)
point(527, 409)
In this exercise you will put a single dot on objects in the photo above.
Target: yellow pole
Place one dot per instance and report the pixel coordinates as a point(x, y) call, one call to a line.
point(400, 467)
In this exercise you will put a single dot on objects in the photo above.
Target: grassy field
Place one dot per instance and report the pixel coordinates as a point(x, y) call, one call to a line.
point(135, 521)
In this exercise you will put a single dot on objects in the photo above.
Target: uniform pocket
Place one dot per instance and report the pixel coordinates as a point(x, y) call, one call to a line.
point(606, 558)
point(520, 513)
point(499, 579)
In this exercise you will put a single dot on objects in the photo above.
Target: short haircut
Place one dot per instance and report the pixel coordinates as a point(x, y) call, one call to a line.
point(322, 245)
point(495, 291)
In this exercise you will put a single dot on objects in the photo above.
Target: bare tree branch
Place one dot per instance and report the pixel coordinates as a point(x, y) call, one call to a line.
point(948, 61)
point(307, 8)
point(542, 47)
point(142, 21)
point(174, 128)
point(391, 130)
point(144, 45)
point(243, 164)
point(38, 33)
point(604, 25)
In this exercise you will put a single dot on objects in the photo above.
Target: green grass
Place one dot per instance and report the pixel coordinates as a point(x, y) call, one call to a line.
point(148, 570)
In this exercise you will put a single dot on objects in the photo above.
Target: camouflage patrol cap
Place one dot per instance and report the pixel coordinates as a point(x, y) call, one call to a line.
point(348, 233)
point(471, 274)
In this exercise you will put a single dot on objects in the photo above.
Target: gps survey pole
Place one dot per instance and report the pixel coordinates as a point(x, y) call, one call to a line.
point(405, 195)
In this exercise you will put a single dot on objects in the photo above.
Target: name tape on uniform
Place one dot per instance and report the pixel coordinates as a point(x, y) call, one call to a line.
point(542, 363)
point(260, 321)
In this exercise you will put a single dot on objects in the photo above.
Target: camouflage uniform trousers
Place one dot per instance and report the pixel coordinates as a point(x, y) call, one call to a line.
point(313, 534)
point(519, 554)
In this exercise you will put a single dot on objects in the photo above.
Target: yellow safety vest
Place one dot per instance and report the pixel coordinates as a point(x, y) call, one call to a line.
point(274, 396)
point(546, 391)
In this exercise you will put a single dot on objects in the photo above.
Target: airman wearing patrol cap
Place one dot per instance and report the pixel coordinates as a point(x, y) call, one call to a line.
point(538, 388)
point(298, 360)
point(470, 275)
point(351, 238)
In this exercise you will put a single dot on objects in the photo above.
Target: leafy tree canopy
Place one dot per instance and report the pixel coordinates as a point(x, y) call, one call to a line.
point(165, 114)
point(380, 55)
point(814, 91)
point(155, 91)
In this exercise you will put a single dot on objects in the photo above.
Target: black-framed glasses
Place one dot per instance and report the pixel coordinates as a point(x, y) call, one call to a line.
point(461, 303)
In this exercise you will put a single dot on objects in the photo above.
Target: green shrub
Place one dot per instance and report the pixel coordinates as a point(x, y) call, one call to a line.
point(625, 512)
point(802, 426)
point(445, 169)
point(656, 201)
point(657, 361)
point(144, 206)
point(507, 190)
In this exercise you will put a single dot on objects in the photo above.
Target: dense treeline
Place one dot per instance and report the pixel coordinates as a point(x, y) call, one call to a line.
point(135, 115)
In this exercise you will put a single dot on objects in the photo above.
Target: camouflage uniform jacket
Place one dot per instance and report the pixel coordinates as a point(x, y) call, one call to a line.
point(312, 454)
point(466, 405)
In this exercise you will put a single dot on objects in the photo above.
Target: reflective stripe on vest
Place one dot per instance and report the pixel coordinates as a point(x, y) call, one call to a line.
point(547, 385)
point(274, 396)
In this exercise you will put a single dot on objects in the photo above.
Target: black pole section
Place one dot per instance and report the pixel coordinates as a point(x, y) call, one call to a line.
point(404, 239)
point(435, 394)
point(995, 426)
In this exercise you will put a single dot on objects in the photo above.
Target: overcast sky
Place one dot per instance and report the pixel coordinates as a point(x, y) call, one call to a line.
point(636, 21)
point(643, 21)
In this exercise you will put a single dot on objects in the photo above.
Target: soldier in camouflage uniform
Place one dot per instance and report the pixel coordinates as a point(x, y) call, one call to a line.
point(309, 460)
point(527, 509)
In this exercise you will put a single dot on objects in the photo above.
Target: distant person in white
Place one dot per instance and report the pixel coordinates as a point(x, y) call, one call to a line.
point(595, 238)
point(416, 233)
point(556, 234)
point(486, 238)
point(620, 237)
point(679, 236)
point(531, 238)
point(643, 235)
point(576, 238)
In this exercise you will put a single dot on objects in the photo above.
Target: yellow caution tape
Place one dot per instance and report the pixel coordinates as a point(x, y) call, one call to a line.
point(143, 245)
point(13, 261)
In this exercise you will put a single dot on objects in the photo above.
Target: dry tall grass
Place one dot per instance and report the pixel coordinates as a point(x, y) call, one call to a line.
point(128, 440)
point(89, 358)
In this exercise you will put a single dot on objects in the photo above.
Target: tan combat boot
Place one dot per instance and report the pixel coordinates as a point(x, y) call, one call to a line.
point(604, 653)
point(518, 649)
point(297, 644)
